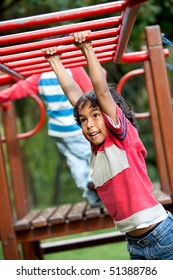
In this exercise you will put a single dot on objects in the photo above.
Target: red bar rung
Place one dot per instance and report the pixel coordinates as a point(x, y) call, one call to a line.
point(61, 30)
point(55, 17)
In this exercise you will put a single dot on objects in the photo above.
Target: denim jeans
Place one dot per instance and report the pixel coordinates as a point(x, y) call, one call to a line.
point(157, 245)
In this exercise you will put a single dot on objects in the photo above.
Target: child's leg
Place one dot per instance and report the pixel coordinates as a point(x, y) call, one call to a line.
point(77, 152)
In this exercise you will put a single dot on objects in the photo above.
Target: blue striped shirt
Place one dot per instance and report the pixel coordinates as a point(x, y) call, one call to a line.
point(61, 121)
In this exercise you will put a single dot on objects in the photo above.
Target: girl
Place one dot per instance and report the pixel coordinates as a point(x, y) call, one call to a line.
point(117, 164)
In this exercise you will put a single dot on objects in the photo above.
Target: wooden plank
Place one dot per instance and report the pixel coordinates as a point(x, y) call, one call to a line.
point(77, 211)
point(42, 219)
point(162, 197)
point(82, 242)
point(9, 245)
point(164, 101)
point(15, 161)
point(105, 211)
point(92, 212)
point(157, 137)
point(59, 216)
point(26, 221)
point(69, 228)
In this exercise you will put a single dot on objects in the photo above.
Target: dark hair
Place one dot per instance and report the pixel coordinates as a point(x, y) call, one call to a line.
point(91, 97)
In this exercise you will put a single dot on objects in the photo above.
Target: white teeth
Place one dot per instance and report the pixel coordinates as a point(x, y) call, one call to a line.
point(94, 133)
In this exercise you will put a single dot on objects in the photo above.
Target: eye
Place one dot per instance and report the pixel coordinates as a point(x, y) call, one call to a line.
point(82, 120)
point(96, 115)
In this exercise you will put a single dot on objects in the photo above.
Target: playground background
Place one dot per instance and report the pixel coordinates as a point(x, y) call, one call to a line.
point(48, 179)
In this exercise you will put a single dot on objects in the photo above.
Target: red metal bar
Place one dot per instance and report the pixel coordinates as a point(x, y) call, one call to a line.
point(58, 41)
point(72, 59)
point(60, 30)
point(66, 48)
point(129, 10)
point(39, 124)
point(121, 83)
point(6, 79)
point(138, 57)
point(68, 64)
point(128, 76)
point(71, 14)
point(108, 42)
point(72, 55)
point(128, 19)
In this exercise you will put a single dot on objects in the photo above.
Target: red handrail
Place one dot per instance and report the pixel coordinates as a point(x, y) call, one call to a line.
point(121, 83)
point(140, 56)
point(71, 14)
point(39, 124)
point(60, 30)
point(126, 77)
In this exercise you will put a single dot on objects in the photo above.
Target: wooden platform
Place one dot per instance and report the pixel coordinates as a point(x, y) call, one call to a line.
point(63, 220)
point(68, 219)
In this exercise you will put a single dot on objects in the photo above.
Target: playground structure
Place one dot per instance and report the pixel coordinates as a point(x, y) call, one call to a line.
point(19, 59)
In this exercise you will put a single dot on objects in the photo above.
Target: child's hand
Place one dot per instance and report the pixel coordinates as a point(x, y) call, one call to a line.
point(81, 38)
point(50, 53)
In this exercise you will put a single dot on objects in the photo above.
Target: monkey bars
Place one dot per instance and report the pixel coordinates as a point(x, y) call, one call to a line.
point(20, 53)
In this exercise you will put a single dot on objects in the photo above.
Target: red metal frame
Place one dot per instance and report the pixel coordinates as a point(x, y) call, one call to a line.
point(121, 83)
point(38, 125)
point(63, 16)
point(115, 27)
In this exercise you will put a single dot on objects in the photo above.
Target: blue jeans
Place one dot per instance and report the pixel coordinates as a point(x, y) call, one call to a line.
point(157, 245)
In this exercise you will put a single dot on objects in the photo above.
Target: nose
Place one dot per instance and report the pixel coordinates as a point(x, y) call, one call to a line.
point(90, 123)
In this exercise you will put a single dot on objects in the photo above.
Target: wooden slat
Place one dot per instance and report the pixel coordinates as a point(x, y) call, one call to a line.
point(82, 242)
point(162, 197)
point(59, 216)
point(92, 212)
point(77, 211)
point(164, 101)
point(25, 222)
point(156, 130)
point(42, 219)
point(105, 211)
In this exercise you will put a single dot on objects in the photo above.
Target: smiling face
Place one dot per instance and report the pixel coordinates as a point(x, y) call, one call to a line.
point(92, 123)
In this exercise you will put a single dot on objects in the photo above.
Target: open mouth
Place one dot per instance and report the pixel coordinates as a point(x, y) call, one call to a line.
point(94, 134)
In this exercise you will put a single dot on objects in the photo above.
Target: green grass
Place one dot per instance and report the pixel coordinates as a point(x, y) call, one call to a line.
point(112, 251)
